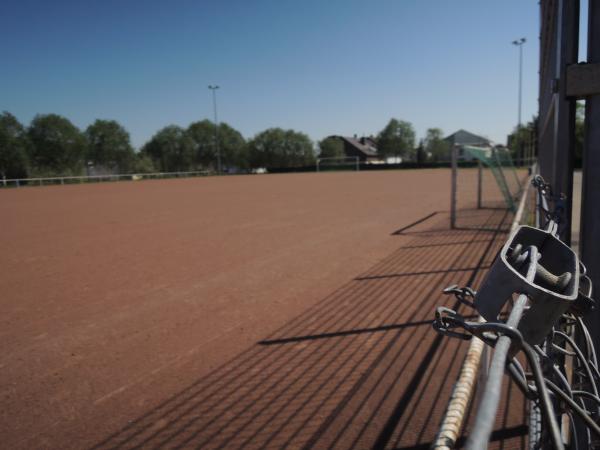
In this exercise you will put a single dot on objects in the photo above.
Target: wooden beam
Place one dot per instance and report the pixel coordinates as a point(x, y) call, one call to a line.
point(583, 80)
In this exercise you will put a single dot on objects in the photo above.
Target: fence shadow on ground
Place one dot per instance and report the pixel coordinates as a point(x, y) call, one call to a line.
point(360, 369)
point(468, 220)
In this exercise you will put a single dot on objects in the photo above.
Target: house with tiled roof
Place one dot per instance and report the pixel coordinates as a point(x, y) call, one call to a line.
point(365, 148)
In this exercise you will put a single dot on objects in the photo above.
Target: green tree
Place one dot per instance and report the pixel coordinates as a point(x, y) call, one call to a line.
point(396, 139)
point(142, 163)
point(331, 147)
point(202, 136)
point(232, 145)
point(275, 148)
point(13, 147)
point(171, 150)
point(421, 154)
point(57, 146)
point(436, 146)
point(109, 146)
point(521, 140)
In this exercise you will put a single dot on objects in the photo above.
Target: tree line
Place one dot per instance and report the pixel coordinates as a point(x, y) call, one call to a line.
point(53, 146)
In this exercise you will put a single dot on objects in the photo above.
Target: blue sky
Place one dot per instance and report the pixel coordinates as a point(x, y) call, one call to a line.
point(321, 67)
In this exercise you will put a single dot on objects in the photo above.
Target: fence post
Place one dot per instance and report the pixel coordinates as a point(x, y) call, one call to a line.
point(4, 180)
point(453, 156)
point(564, 120)
point(590, 195)
point(479, 182)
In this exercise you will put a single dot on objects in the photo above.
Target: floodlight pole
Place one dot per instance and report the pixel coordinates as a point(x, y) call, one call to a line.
point(217, 149)
point(519, 43)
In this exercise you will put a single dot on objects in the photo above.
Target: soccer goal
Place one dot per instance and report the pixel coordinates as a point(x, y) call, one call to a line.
point(338, 163)
point(483, 178)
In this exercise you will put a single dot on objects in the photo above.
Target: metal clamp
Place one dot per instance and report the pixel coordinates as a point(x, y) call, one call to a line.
point(464, 295)
point(446, 320)
point(545, 190)
point(553, 291)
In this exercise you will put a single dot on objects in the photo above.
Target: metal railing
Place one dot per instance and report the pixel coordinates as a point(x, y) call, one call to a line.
point(544, 325)
point(41, 181)
point(567, 354)
point(456, 411)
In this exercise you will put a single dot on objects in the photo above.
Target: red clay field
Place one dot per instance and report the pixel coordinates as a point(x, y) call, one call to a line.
point(267, 311)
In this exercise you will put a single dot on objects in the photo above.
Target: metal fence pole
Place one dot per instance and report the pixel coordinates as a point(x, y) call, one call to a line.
point(590, 196)
point(454, 157)
point(564, 119)
point(479, 183)
point(488, 406)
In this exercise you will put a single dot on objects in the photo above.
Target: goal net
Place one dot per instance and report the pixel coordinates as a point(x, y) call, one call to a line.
point(483, 178)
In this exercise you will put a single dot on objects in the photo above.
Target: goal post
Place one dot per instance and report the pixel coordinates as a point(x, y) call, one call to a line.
point(338, 163)
point(482, 178)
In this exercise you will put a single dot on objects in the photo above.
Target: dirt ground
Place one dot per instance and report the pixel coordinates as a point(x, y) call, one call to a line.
point(235, 312)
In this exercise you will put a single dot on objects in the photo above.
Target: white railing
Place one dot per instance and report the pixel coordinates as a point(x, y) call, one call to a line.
point(41, 181)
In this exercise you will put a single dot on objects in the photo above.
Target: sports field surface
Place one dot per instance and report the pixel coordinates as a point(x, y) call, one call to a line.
point(264, 311)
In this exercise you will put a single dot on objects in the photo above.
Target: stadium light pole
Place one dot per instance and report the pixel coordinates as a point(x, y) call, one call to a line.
point(519, 43)
point(214, 88)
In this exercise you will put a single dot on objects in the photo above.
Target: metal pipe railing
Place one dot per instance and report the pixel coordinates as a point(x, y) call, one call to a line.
point(488, 407)
point(464, 387)
point(556, 293)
